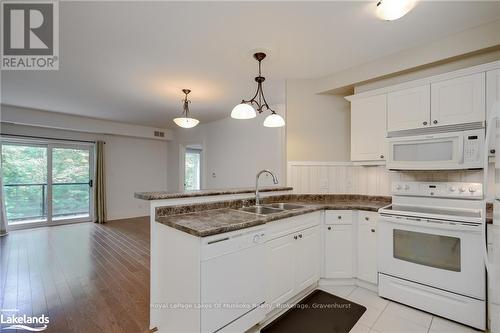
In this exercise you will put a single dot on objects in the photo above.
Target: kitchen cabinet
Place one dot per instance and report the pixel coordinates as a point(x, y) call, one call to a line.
point(368, 115)
point(281, 279)
point(338, 251)
point(492, 95)
point(409, 108)
point(293, 264)
point(459, 100)
point(367, 247)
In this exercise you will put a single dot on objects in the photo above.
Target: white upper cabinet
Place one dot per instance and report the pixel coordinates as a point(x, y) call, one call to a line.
point(368, 128)
point(492, 95)
point(459, 100)
point(409, 108)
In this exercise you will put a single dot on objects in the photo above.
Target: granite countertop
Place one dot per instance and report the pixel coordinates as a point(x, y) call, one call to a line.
point(216, 218)
point(160, 195)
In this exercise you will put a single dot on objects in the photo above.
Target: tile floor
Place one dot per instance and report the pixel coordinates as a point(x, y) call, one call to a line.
point(383, 316)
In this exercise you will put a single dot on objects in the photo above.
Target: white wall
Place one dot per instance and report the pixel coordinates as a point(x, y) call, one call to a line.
point(47, 119)
point(318, 125)
point(233, 150)
point(132, 165)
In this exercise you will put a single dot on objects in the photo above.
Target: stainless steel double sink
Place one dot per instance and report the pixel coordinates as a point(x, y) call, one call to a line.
point(271, 208)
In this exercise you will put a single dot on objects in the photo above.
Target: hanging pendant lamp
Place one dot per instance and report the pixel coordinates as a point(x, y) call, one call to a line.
point(246, 110)
point(186, 121)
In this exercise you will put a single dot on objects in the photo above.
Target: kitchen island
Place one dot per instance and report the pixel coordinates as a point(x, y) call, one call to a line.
point(216, 265)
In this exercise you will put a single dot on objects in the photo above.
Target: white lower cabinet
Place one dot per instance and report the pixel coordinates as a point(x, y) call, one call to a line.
point(293, 264)
point(367, 247)
point(338, 251)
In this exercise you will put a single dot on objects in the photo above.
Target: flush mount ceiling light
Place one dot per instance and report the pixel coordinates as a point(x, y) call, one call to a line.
point(186, 122)
point(390, 10)
point(246, 110)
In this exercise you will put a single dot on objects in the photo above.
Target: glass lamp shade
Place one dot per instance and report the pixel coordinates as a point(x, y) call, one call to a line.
point(186, 122)
point(243, 111)
point(274, 120)
point(390, 10)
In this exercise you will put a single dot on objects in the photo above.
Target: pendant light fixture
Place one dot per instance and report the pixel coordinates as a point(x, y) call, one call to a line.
point(391, 10)
point(186, 121)
point(246, 110)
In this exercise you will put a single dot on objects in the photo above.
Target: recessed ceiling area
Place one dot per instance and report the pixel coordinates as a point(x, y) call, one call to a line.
point(131, 60)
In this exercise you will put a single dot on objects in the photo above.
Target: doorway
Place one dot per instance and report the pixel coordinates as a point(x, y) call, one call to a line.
point(47, 183)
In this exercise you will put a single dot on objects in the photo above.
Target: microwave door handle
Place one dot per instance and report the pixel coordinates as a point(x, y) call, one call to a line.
point(461, 144)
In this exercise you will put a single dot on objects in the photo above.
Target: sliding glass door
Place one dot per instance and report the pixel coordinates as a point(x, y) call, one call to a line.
point(47, 183)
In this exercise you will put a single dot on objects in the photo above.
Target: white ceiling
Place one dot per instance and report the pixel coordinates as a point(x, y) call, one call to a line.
point(128, 61)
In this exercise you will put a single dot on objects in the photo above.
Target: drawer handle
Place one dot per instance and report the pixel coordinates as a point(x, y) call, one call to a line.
point(300, 236)
point(492, 151)
point(339, 217)
point(425, 123)
point(218, 240)
point(435, 121)
point(367, 218)
point(295, 237)
point(372, 230)
point(381, 156)
point(329, 228)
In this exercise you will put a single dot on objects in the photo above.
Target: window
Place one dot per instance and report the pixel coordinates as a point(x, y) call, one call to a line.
point(46, 183)
point(192, 169)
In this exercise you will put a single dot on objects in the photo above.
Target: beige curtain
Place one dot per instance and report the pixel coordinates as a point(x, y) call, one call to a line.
point(100, 184)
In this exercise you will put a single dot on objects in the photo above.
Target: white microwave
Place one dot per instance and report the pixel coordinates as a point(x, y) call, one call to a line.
point(441, 151)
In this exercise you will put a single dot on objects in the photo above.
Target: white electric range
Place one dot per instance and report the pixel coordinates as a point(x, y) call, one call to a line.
point(430, 253)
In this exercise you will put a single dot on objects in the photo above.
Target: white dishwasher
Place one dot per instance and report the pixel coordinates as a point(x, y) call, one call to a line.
point(233, 281)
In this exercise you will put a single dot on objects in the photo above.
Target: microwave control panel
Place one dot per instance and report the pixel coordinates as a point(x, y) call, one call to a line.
point(439, 189)
point(472, 148)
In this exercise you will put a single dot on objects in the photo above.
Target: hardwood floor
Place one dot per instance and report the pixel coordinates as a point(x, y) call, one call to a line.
point(85, 277)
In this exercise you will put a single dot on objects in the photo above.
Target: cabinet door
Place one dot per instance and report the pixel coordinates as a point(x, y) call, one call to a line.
point(459, 100)
point(367, 247)
point(408, 108)
point(307, 258)
point(368, 115)
point(492, 96)
point(280, 269)
point(338, 251)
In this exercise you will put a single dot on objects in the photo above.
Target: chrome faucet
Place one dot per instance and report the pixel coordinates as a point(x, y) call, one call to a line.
point(275, 181)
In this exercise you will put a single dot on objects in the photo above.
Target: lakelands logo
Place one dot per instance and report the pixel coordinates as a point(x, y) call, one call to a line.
point(24, 322)
point(30, 35)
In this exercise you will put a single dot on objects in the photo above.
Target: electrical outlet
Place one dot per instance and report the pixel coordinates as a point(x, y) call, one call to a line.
point(323, 184)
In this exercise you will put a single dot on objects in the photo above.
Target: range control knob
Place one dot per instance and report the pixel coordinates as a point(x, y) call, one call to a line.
point(452, 188)
point(407, 187)
point(398, 187)
point(462, 189)
point(256, 238)
point(472, 189)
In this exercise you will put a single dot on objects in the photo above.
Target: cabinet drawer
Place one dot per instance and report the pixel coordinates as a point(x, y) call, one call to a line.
point(367, 217)
point(338, 217)
point(290, 225)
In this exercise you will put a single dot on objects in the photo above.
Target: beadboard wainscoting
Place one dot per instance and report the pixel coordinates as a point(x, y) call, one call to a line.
point(348, 178)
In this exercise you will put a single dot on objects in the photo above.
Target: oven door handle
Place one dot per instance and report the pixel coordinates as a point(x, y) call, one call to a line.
point(427, 224)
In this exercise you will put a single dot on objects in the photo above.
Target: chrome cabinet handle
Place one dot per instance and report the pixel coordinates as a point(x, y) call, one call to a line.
point(435, 122)
point(372, 230)
point(425, 123)
point(381, 156)
point(300, 236)
point(295, 237)
point(367, 218)
point(339, 217)
point(329, 228)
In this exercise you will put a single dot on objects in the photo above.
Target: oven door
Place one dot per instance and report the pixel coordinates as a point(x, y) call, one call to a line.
point(426, 152)
point(439, 255)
